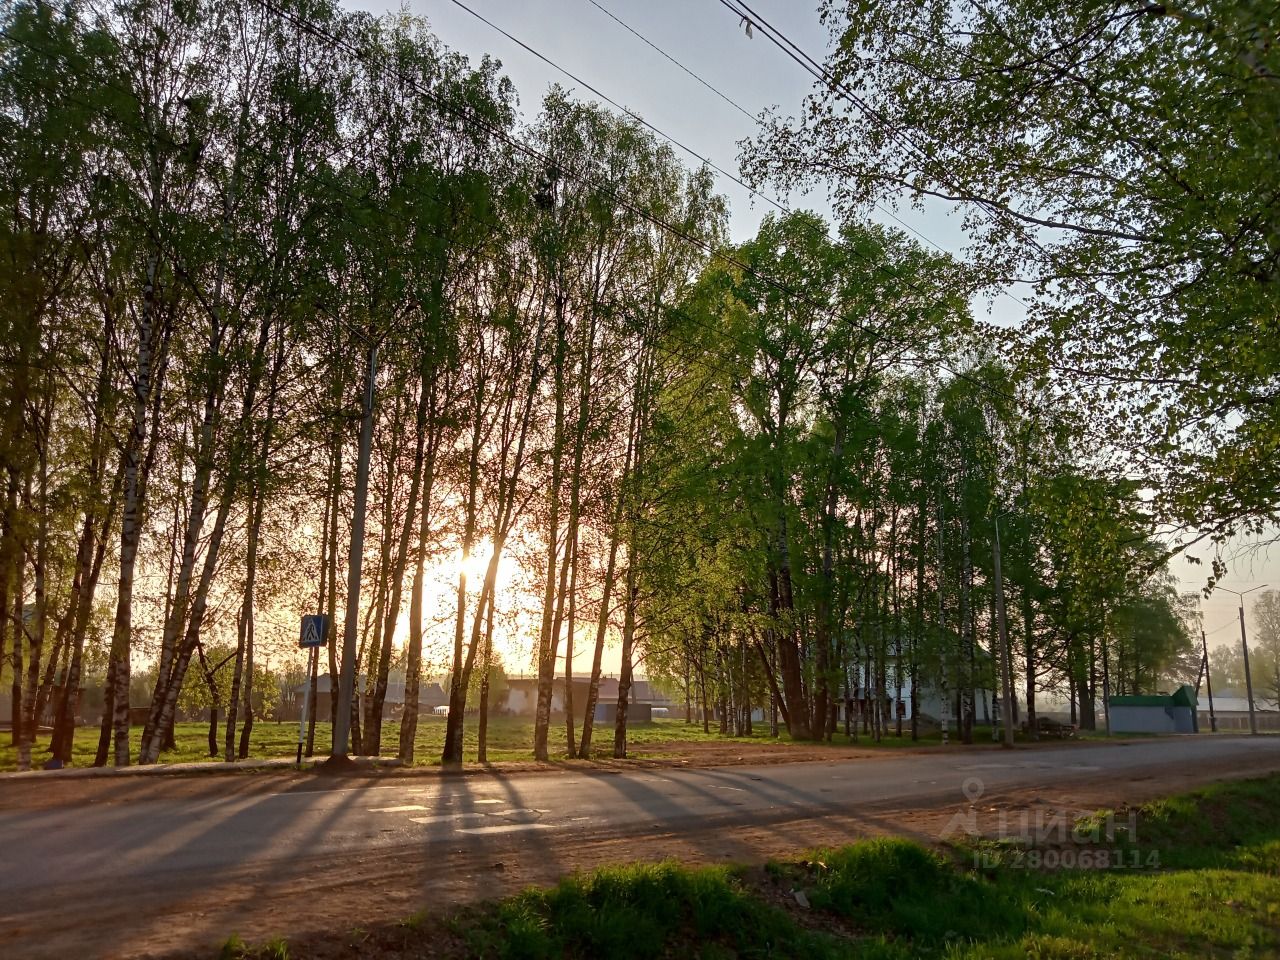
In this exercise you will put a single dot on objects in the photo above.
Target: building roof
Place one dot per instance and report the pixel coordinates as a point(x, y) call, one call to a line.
point(1184, 696)
point(642, 691)
point(429, 694)
point(1234, 704)
point(1142, 700)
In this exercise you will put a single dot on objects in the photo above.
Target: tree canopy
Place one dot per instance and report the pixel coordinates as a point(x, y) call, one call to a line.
point(1120, 158)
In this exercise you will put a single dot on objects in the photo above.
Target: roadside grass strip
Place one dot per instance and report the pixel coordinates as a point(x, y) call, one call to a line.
point(510, 740)
point(1212, 889)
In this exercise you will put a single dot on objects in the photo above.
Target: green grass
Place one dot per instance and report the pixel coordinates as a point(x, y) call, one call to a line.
point(1215, 893)
point(510, 738)
point(640, 911)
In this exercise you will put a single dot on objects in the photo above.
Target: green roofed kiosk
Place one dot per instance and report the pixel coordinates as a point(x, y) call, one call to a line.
point(1160, 713)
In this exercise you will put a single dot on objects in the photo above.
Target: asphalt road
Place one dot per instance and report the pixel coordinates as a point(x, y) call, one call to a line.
point(170, 844)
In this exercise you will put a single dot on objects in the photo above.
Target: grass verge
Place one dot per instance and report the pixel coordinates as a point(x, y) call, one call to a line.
point(1207, 885)
point(510, 738)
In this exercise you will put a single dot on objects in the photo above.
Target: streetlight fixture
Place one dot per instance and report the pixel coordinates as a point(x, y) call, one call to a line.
point(1244, 646)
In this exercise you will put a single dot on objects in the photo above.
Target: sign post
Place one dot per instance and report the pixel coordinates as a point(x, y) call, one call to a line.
point(313, 635)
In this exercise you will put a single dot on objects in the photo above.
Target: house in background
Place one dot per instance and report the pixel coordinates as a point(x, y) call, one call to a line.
point(895, 699)
point(430, 696)
point(521, 698)
point(1231, 710)
point(986, 703)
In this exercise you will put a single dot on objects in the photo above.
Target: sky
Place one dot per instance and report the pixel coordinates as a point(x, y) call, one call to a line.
point(707, 38)
point(702, 35)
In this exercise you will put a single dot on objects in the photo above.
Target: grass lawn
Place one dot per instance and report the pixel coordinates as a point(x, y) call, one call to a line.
point(510, 738)
point(1214, 893)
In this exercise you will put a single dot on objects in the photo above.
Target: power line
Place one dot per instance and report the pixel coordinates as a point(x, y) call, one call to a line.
point(756, 121)
point(1229, 623)
point(331, 185)
point(630, 113)
point(473, 117)
point(680, 348)
point(997, 212)
point(658, 221)
point(820, 73)
point(626, 26)
point(736, 178)
point(715, 252)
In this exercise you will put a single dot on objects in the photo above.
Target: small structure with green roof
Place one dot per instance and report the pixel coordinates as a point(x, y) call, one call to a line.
point(1156, 713)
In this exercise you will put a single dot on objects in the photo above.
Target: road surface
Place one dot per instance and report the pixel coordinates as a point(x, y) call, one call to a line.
point(138, 871)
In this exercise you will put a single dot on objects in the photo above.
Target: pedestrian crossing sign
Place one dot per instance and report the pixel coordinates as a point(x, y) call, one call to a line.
point(315, 631)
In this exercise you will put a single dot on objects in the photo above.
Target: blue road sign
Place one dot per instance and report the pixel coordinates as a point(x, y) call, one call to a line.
point(315, 631)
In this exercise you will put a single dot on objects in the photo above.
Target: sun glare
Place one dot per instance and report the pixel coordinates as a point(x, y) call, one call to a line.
point(476, 563)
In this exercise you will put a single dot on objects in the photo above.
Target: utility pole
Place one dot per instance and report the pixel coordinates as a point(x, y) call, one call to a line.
point(1244, 646)
point(1248, 679)
point(347, 684)
point(1204, 646)
point(1006, 668)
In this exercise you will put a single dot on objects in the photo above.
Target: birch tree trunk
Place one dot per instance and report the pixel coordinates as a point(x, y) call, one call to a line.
point(246, 730)
point(131, 522)
point(40, 571)
point(570, 721)
point(245, 628)
point(624, 674)
point(413, 664)
point(546, 638)
point(486, 663)
point(69, 704)
point(452, 752)
point(373, 730)
point(169, 685)
point(322, 595)
point(606, 594)
point(215, 699)
point(17, 660)
point(514, 421)
point(375, 640)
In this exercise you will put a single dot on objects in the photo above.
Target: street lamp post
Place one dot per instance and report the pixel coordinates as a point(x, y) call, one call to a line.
point(1244, 647)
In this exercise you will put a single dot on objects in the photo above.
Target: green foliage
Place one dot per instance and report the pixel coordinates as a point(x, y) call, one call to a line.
point(1264, 646)
point(796, 447)
point(642, 911)
point(1120, 155)
point(497, 683)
